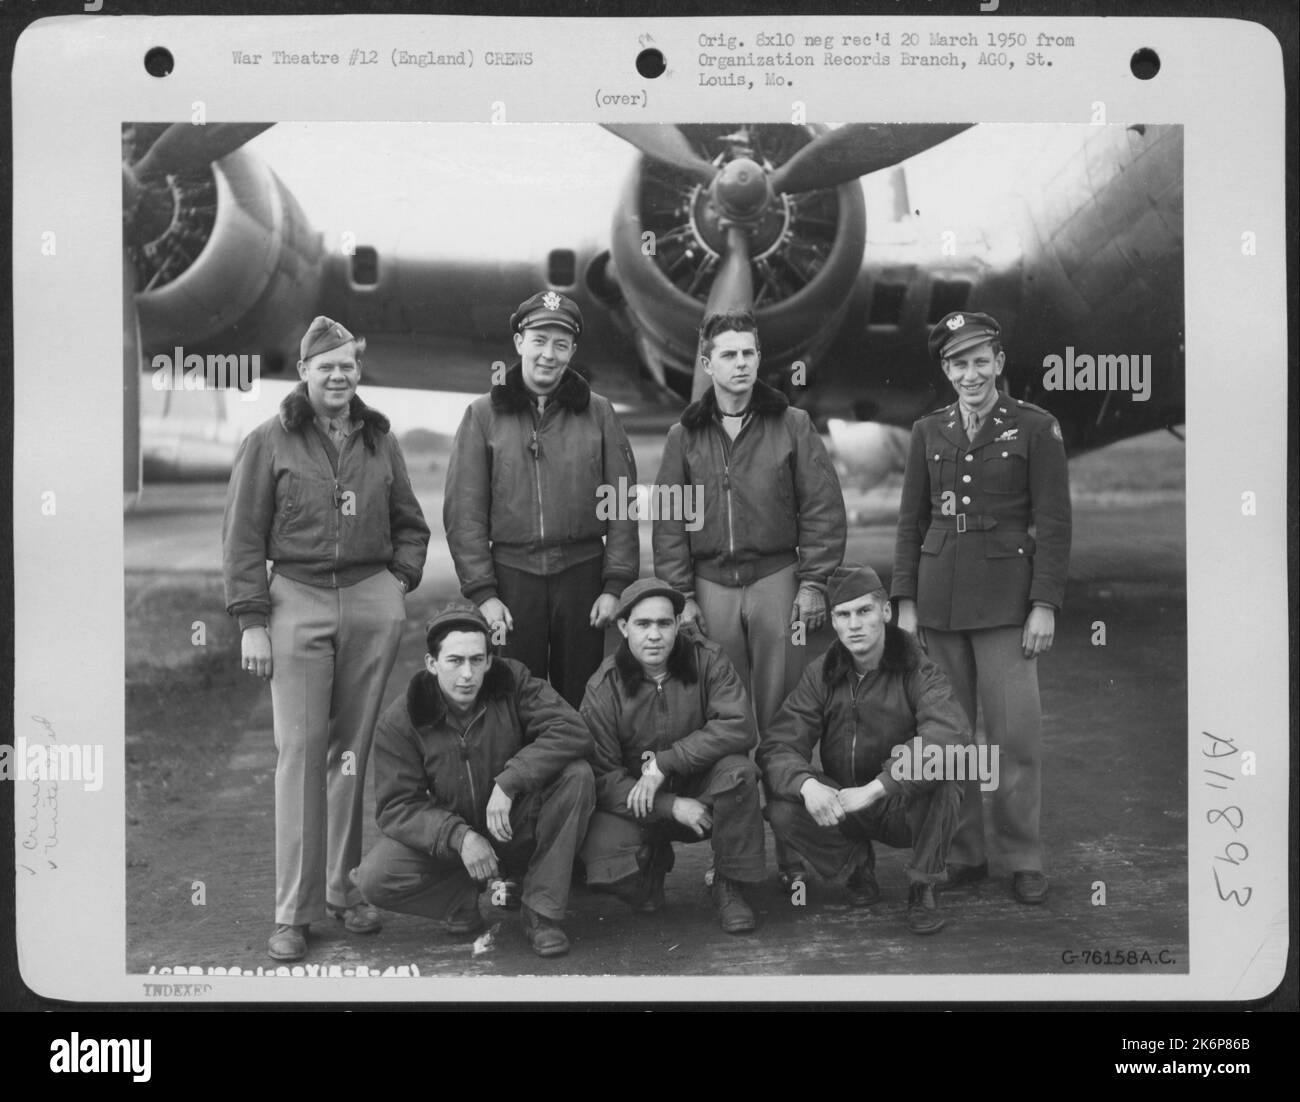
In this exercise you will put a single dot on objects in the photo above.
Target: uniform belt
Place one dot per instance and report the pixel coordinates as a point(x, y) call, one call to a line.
point(964, 522)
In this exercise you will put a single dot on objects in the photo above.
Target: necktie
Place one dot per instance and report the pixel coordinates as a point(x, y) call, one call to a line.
point(973, 421)
point(338, 432)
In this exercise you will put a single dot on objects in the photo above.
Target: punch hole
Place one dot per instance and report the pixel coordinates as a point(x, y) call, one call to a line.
point(158, 62)
point(650, 63)
point(1145, 63)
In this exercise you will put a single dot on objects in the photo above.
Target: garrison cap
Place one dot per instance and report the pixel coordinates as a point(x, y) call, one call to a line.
point(325, 334)
point(547, 308)
point(461, 617)
point(639, 590)
point(961, 330)
point(851, 581)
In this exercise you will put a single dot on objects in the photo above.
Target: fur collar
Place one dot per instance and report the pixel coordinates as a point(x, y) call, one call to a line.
point(681, 665)
point(424, 702)
point(902, 653)
point(296, 413)
point(765, 402)
point(512, 396)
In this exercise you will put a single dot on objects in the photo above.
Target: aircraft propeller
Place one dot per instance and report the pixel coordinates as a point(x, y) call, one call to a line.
point(744, 192)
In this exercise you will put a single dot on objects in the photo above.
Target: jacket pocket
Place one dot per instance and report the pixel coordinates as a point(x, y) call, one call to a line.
point(942, 461)
point(288, 494)
point(1008, 545)
point(934, 541)
point(1006, 467)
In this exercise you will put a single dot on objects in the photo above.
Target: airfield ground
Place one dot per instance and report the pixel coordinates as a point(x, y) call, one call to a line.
point(200, 762)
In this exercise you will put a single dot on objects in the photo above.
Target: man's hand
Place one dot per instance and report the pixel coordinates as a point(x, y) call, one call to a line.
point(693, 814)
point(809, 607)
point(907, 614)
point(691, 614)
point(498, 815)
point(821, 802)
point(855, 799)
point(603, 611)
point(495, 612)
point(255, 651)
point(1040, 630)
point(478, 856)
point(641, 800)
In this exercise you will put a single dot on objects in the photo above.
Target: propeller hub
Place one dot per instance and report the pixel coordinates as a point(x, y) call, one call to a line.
point(741, 189)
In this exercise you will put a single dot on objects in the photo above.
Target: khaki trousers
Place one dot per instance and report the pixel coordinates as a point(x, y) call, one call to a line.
point(331, 651)
point(751, 623)
point(990, 664)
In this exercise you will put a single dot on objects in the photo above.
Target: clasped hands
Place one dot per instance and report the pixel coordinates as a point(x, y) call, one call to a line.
point(828, 806)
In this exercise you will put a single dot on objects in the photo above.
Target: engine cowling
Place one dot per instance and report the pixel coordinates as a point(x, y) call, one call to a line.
point(805, 254)
point(225, 261)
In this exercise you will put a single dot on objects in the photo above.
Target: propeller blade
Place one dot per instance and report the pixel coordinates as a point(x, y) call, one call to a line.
point(184, 147)
point(733, 286)
point(848, 152)
point(665, 143)
point(733, 289)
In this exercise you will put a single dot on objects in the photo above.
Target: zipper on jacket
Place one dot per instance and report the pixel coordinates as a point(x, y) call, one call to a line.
point(464, 756)
point(536, 449)
point(662, 707)
point(853, 746)
point(338, 528)
point(726, 486)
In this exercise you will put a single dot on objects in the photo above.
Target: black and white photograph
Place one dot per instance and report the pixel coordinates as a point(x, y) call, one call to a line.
point(883, 280)
point(719, 512)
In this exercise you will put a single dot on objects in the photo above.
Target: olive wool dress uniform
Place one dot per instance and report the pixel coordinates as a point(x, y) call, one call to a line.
point(983, 537)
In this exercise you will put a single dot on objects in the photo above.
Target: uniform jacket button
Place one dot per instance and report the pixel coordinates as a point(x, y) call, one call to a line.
point(965, 478)
point(965, 501)
point(969, 458)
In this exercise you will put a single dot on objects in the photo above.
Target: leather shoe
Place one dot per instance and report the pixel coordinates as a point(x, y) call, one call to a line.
point(959, 876)
point(360, 918)
point(1029, 887)
point(548, 939)
point(287, 943)
point(734, 912)
point(923, 914)
point(862, 887)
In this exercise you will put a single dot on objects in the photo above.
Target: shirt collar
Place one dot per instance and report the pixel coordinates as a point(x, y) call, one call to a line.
point(983, 410)
point(346, 419)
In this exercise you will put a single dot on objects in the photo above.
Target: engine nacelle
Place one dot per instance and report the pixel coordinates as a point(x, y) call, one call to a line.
point(242, 279)
point(806, 254)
